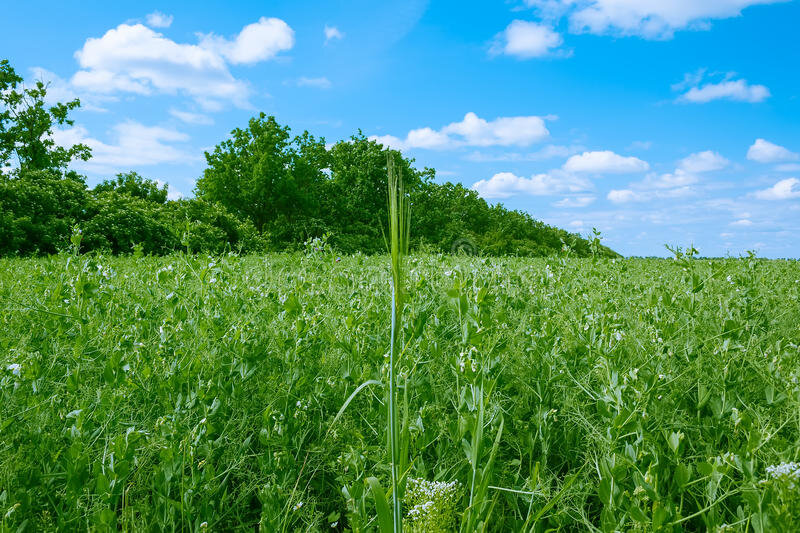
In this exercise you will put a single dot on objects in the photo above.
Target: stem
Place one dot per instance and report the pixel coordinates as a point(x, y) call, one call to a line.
point(397, 517)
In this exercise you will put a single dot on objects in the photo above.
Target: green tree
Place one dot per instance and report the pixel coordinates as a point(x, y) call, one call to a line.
point(355, 199)
point(263, 174)
point(26, 125)
point(131, 183)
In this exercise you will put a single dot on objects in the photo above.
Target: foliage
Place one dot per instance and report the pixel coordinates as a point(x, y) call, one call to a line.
point(262, 189)
point(169, 392)
point(132, 184)
point(26, 125)
point(38, 209)
point(264, 175)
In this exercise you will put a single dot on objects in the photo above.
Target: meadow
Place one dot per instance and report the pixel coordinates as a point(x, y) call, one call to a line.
point(219, 393)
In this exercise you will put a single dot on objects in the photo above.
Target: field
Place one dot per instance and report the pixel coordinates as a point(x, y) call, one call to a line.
point(236, 393)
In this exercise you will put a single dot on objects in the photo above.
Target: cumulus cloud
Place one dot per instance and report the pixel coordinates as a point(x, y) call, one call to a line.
point(507, 184)
point(706, 161)
point(473, 131)
point(133, 58)
point(671, 184)
point(650, 19)
point(332, 33)
point(764, 151)
point(727, 88)
point(786, 189)
point(525, 40)
point(256, 42)
point(157, 19)
point(134, 145)
point(605, 162)
point(319, 83)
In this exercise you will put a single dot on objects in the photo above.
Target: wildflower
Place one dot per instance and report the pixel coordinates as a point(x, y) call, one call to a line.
point(14, 368)
point(297, 506)
point(789, 472)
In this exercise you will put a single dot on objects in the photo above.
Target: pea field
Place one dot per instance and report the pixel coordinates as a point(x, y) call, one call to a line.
point(246, 393)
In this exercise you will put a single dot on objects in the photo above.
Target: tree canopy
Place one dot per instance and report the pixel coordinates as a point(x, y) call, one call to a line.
point(263, 189)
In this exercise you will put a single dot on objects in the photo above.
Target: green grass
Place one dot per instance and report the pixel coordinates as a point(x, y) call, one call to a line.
point(191, 393)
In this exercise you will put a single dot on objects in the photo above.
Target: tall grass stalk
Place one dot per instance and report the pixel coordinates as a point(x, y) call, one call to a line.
point(399, 228)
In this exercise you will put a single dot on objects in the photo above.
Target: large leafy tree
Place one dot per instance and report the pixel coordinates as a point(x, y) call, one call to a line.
point(260, 172)
point(356, 196)
point(26, 125)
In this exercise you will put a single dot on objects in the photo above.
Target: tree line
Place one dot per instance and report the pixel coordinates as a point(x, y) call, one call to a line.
point(263, 189)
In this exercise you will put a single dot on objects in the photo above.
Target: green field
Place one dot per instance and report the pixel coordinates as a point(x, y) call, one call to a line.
point(211, 394)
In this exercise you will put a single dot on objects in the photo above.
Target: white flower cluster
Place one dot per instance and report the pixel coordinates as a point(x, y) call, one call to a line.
point(785, 471)
point(432, 504)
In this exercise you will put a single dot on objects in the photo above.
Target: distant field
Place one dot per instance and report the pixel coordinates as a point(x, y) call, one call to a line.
point(200, 393)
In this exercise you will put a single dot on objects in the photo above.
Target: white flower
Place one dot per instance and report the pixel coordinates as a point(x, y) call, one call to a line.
point(786, 471)
point(14, 368)
point(297, 506)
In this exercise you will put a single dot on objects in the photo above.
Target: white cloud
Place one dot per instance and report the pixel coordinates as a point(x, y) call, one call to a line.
point(191, 118)
point(506, 184)
point(786, 189)
point(503, 131)
point(604, 162)
point(738, 91)
point(651, 19)
point(764, 151)
point(473, 131)
point(256, 42)
point(727, 88)
point(319, 83)
point(157, 19)
point(742, 223)
point(332, 33)
point(679, 178)
point(575, 201)
point(136, 59)
point(621, 196)
point(134, 145)
point(526, 40)
point(706, 161)
point(671, 185)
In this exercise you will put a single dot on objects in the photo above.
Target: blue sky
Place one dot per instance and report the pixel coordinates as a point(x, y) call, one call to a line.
point(655, 122)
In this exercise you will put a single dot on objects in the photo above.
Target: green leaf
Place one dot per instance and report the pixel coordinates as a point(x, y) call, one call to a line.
point(381, 505)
